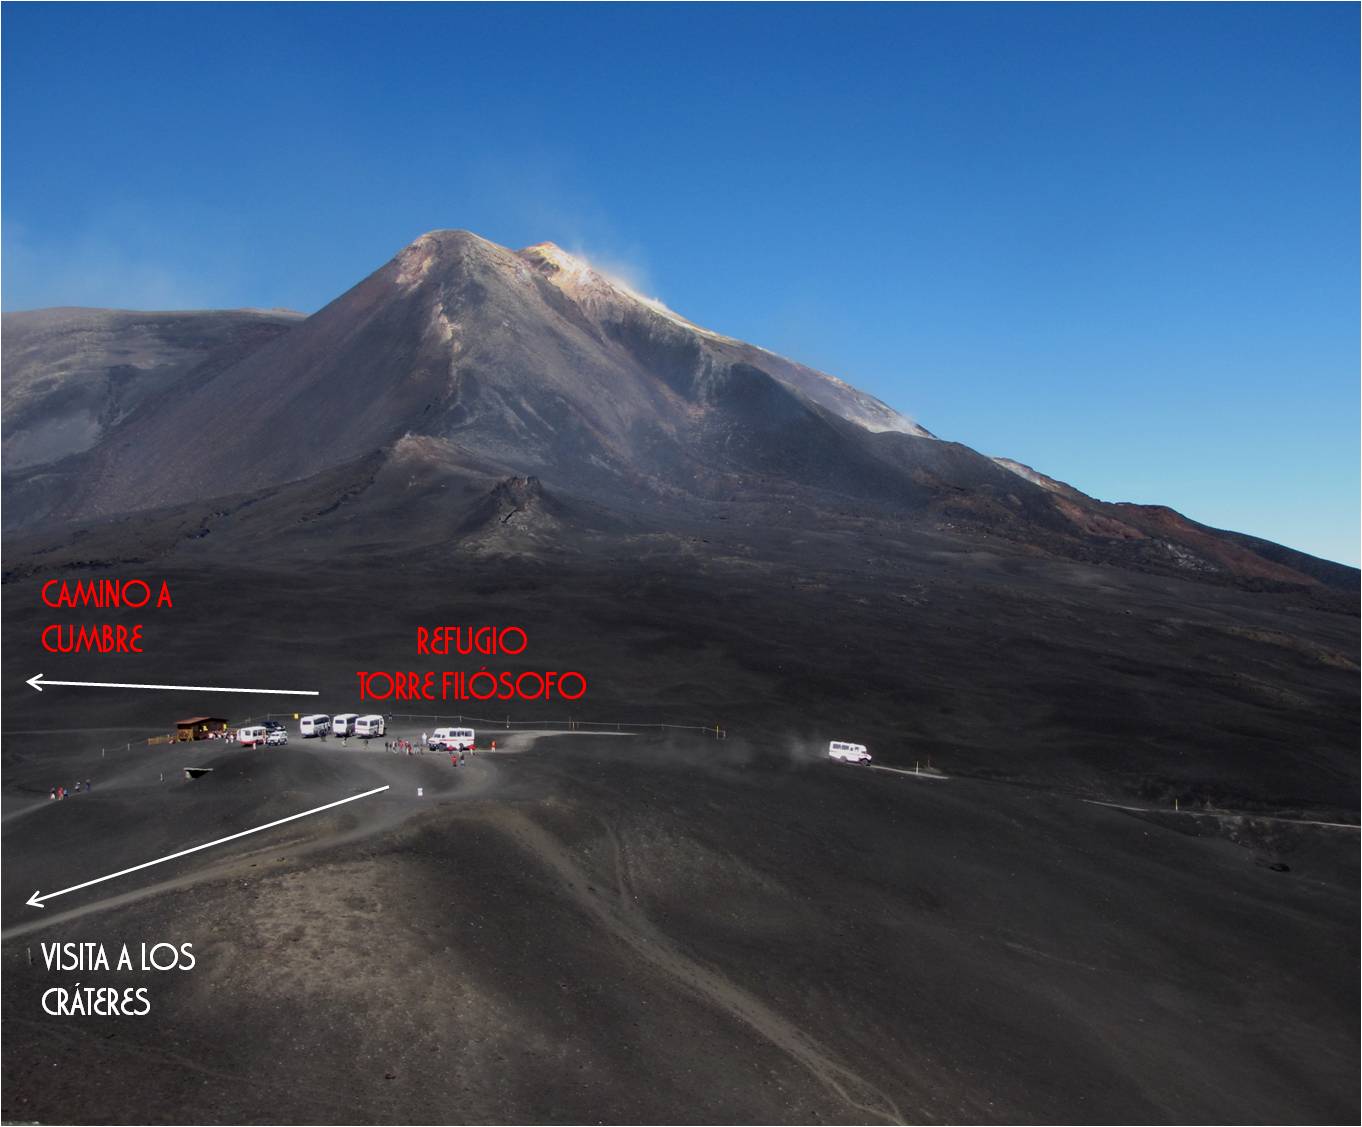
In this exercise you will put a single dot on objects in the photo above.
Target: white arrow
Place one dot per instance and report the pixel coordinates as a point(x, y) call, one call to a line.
point(36, 900)
point(37, 682)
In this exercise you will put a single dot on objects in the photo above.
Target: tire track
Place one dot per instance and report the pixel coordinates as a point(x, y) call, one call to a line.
point(1224, 815)
point(626, 920)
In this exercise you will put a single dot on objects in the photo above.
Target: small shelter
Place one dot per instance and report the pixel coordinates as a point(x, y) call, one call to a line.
point(199, 727)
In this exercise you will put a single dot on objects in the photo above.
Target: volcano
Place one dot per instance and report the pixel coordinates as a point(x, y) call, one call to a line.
point(1102, 867)
point(499, 364)
point(469, 409)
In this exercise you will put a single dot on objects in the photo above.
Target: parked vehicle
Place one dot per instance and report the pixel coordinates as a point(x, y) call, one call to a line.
point(453, 739)
point(372, 725)
point(848, 753)
point(316, 725)
point(277, 737)
point(253, 736)
point(343, 724)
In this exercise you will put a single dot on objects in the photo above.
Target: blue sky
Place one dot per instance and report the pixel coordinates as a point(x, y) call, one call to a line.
point(1116, 242)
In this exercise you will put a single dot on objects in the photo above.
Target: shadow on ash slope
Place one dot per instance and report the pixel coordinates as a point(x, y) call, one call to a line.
point(360, 768)
point(619, 913)
point(596, 878)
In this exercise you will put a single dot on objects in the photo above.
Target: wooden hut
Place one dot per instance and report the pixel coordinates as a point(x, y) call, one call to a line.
point(199, 727)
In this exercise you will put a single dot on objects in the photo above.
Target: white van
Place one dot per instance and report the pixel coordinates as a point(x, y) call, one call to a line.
point(317, 725)
point(453, 739)
point(252, 737)
point(344, 724)
point(848, 753)
point(371, 725)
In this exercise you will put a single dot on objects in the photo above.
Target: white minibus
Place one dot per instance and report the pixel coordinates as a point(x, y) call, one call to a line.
point(370, 726)
point(848, 753)
point(317, 725)
point(453, 739)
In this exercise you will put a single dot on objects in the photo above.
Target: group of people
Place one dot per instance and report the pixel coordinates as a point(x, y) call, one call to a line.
point(62, 792)
point(411, 747)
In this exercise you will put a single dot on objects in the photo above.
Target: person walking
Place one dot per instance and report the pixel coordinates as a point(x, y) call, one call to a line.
point(52, 793)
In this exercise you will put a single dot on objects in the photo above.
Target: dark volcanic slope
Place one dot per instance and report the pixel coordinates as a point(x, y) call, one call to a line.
point(509, 360)
point(622, 929)
point(73, 375)
point(627, 930)
point(75, 379)
point(1101, 682)
point(532, 364)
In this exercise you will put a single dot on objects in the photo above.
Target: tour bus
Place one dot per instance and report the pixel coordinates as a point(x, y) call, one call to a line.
point(252, 737)
point(371, 725)
point(344, 724)
point(317, 725)
point(848, 753)
point(453, 739)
